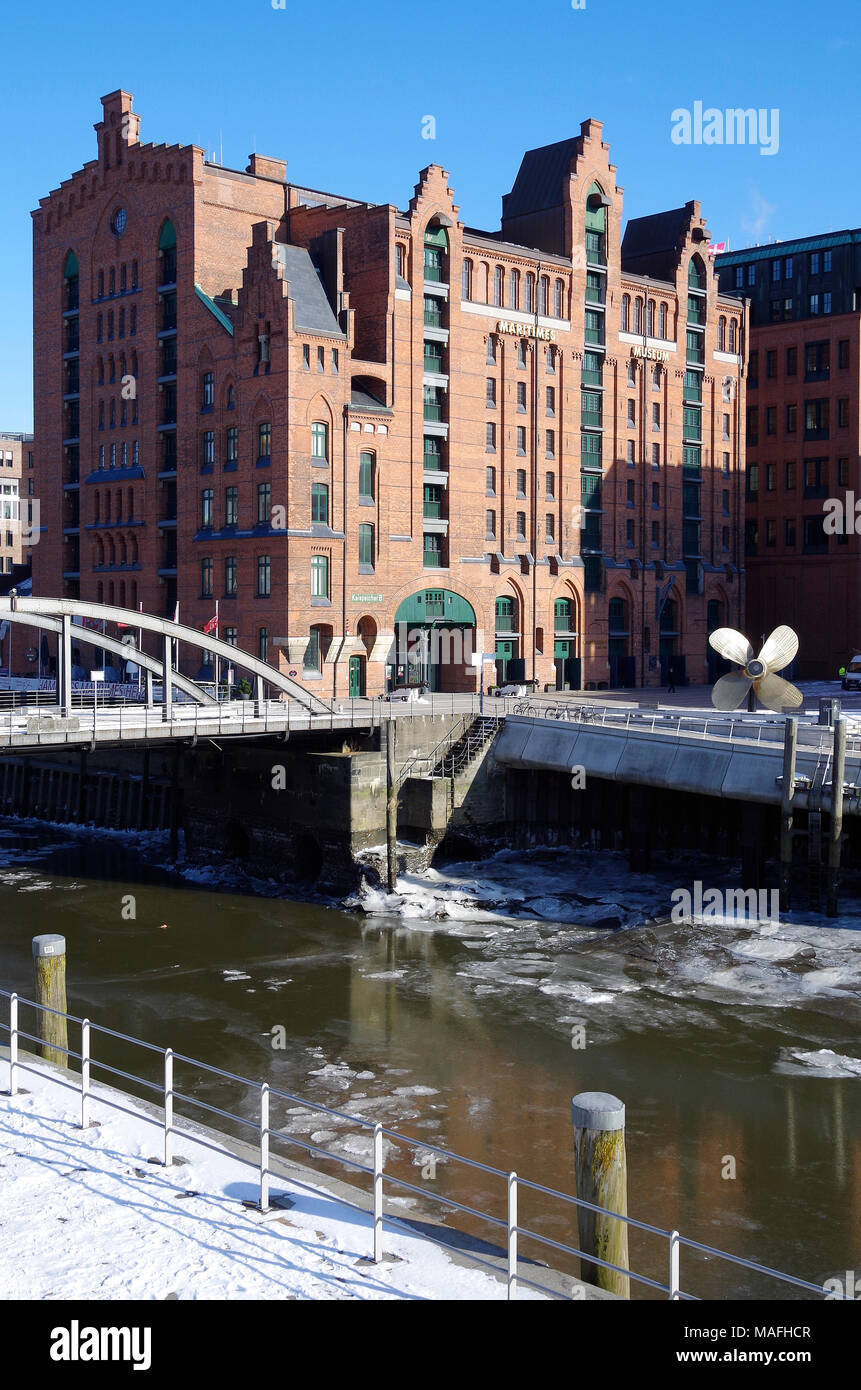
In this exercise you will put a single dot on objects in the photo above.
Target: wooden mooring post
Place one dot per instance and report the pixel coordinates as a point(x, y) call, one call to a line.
point(601, 1174)
point(787, 789)
point(391, 809)
point(835, 833)
point(49, 960)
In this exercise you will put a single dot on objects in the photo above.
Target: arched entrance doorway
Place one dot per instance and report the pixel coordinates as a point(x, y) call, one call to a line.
point(565, 660)
point(622, 665)
point(670, 632)
point(434, 640)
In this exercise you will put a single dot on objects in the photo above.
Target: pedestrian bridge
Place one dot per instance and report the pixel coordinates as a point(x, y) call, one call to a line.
point(739, 757)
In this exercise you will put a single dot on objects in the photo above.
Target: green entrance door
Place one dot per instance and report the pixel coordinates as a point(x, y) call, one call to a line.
point(504, 655)
point(357, 677)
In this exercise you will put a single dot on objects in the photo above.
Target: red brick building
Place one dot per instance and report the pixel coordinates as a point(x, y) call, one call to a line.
point(381, 439)
point(803, 442)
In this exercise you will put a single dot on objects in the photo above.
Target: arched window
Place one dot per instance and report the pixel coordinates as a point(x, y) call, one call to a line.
point(366, 476)
point(651, 318)
point(100, 550)
point(656, 378)
point(619, 616)
point(732, 336)
point(596, 226)
point(626, 312)
point(638, 315)
point(70, 281)
point(466, 280)
point(101, 371)
point(400, 268)
point(513, 289)
point(529, 296)
point(112, 281)
point(563, 618)
point(696, 273)
point(662, 321)
point(133, 543)
point(366, 548)
point(263, 640)
point(558, 298)
point(167, 253)
point(543, 293)
point(506, 615)
point(498, 278)
point(721, 334)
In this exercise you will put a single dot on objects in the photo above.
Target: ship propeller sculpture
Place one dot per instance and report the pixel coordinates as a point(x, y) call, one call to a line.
point(758, 673)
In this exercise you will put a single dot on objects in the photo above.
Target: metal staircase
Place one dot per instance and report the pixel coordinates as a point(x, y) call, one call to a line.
point(474, 739)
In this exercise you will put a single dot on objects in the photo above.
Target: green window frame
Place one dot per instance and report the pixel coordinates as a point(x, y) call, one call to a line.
point(366, 475)
point(366, 547)
point(320, 440)
point(320, 504)
point(319, 576)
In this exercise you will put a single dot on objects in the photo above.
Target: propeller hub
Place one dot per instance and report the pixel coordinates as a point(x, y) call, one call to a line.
point(755, 669)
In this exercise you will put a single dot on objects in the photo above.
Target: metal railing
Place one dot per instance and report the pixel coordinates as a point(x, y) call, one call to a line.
point(509, 1261)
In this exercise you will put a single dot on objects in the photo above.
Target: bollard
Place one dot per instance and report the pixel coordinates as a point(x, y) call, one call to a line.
point(602, 1179)
point(391, 809)
point(49, 959)
point(790, 745)
point(838, 778)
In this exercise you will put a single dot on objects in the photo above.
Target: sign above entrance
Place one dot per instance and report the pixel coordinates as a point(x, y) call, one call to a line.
point(366, 598)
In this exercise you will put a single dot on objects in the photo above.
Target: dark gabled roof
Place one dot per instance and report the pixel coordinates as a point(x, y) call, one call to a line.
point(312, 311)
point(540, 179)
point(650, 236)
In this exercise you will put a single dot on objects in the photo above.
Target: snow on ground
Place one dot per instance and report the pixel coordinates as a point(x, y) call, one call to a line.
point(84, 1214)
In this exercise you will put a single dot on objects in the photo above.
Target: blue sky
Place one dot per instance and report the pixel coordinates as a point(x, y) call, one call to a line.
point(340, 90)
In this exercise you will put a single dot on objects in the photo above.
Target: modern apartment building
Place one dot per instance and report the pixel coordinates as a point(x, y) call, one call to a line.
point(381, 439)
point(803, 444)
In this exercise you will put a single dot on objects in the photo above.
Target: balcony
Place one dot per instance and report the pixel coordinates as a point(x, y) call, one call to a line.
point(433, 318)
point(168, 269)
point(596, 250)
point(590, 377)
point(595, 337)
point(696, 354)
point(596, 293)
point(433, 364)
point(433, 509)
point(815, 435)
point(693, 393)
point(506, 622)
point(592, 419)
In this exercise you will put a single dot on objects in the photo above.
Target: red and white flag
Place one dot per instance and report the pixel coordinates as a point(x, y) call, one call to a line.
point(717, 248)
point(176, 612)
point(212, 625)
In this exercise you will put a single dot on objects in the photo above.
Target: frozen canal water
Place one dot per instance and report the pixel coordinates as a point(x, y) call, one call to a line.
point(468, 1010)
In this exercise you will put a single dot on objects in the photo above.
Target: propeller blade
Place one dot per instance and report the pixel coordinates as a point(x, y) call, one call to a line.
point(732, 645)
point(731, 691)
point(780, 648)
point(777, 693)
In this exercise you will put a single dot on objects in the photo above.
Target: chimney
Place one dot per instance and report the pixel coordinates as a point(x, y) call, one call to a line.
point(262, 167)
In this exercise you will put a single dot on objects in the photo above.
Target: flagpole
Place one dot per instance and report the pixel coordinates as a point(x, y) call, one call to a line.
point(140, 646)
point(216, 656)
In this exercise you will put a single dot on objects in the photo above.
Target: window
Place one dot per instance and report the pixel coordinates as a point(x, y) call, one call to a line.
point(771, 419)
point(656, 416)
point(490, 482)
point(206, 578)
point(264, 503)
point(630, 453)
point(812, 307)
point(732, 335)
point(263, 644)
point(497, 286)
point(629, 534)
point(206, 501)
point(787, 268)
point(529, 297)
point(638, 315)
point(814, 263)
point(550, 400)
point(725, 501)
point(306, 357)
point(490, 392)
point(543, 293)
point(826, 302)
point(521, 482)
point(264, 576)
point(843, 354)
point(656, 495)
point(632, 373)
point(550, 486)
point(662, 321)
point(490, 438)
point(626, 312)
point(726, 463)
point(789, 533)
point(775, 269)
point(520, 526)
point(771, 363)
point(521, 439)
point(321, 359)
point(231, 505)
point(207, 390)
point(752, 480)
point(230, 577)
point(550, 444)
point(466, 280)
point(319, 576)
point(789, 480)
point(366, 549)
point(842, 472)
point(400, 260)
point(549, 525)
point(826, 262)
point(770, 477)
point(432, 551)
point(751, 275)
point(264, 440)
point(320, 504)
point(656, 455)
point(558, 300)
point(632, 414)
point(366, 477)
point(843, 413)
point(491, 348)
point(521, 353)
point(320, 441)
point(231, 444)
point(656, 378)
point(489, 525)
point(650, 319)
point(208, 448)
point(521, 397)
point(629, 493)
point(791, 361)
point(739, 277)
point(513, 278)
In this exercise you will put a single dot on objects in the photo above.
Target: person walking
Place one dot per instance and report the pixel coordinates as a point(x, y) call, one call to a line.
point(671, 678)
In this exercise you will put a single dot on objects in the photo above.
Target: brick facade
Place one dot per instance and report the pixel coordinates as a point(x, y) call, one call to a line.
point(309, 383)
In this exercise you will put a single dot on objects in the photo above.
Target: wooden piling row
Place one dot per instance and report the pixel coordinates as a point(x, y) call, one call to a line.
point(86, 796)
